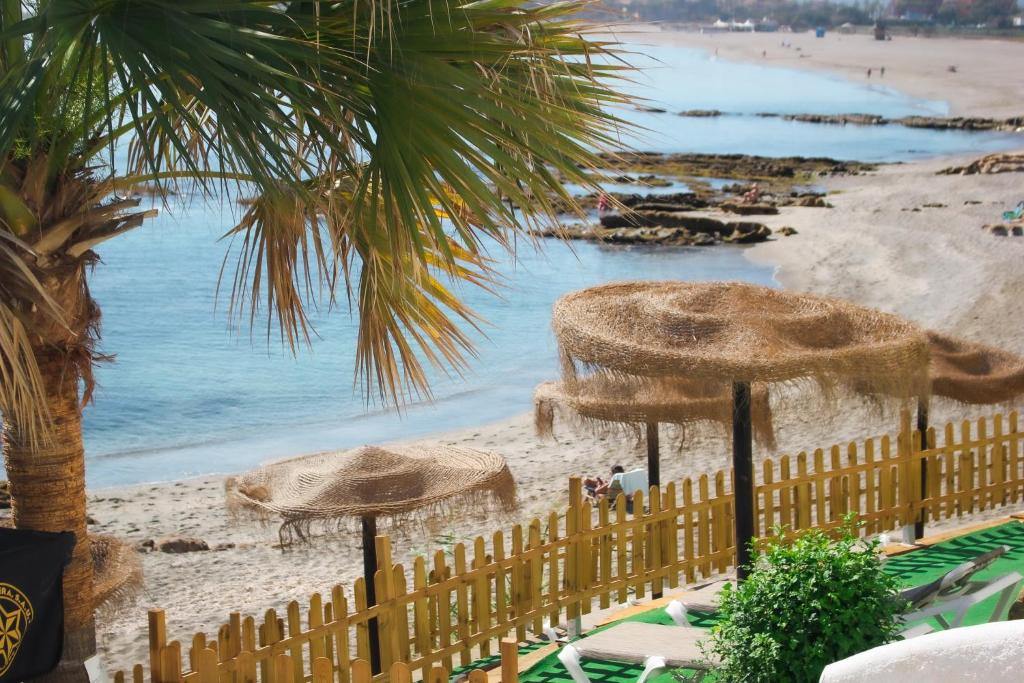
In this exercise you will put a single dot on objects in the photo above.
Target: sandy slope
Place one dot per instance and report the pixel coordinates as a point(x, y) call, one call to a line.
point(988, 80)
point(933, 265)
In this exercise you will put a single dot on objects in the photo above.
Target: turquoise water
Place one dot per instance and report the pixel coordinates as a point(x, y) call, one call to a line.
point(187, 395)
point(677, 79)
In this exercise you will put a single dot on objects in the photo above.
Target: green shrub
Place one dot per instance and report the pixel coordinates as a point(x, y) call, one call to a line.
point(805, 605)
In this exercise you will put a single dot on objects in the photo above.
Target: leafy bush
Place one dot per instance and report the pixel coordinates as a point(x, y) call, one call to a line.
point(805, 605)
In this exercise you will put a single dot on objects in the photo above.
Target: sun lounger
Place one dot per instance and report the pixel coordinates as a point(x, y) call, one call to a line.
point(951, 583)
point(973, 593)
point(655, 646)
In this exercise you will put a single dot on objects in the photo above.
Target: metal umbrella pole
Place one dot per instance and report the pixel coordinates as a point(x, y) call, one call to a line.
point(369, 524)
point(653, 455)
point(743, 475)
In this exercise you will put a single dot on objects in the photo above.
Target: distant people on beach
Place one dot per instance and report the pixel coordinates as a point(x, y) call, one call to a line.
point(869, 73)
point(881, 72)
point(596, 486)
point(602, 203)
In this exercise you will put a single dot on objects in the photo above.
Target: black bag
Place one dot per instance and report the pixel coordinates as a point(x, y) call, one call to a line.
point(31, 601)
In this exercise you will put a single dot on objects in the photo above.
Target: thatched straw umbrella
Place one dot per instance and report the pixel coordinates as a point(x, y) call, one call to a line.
point(397, 484)
point(601, 402)
point(969, 373)
point(722, 334)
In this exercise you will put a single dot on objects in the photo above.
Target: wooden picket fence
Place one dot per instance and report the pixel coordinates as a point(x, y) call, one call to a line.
point(282, 669)
point(454, 607)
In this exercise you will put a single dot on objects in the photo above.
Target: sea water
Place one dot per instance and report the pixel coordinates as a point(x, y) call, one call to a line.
point(190, 394)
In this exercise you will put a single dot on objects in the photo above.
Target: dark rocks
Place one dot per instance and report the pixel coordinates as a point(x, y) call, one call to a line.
point(701, 113)
point(677, 201)
point(181, 544)
point(998, 229)
point(929, 122)
point(740, 166)
point(223, 546)
point(5, 495)
point(818, 202)
point(676, 228)
point(650, 110)
point(749, 209)
point(958, 123)
point(787, 230)
point(147, 546)
point(993, 163)
point(841, 119)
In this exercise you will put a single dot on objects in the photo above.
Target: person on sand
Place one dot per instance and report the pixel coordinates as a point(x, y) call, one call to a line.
point(881, 72)
point(597, 487)
point(751, 196)
point(869, 73)
point(602, 203)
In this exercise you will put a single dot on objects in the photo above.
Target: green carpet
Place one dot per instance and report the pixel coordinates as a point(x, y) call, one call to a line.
point(914, 568)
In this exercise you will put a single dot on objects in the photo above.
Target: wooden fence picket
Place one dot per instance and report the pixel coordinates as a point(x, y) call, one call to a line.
point(445, 610)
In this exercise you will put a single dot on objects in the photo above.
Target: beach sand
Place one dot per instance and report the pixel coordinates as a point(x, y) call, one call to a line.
point(932, 265)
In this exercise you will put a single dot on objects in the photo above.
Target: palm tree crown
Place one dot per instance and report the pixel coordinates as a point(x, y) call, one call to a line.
point(383, 143)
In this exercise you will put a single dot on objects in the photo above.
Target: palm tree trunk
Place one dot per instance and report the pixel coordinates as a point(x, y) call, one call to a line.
point(48, 494)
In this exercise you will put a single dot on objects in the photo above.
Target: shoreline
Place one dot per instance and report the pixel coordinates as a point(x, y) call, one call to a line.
point(985, 83)
point(932, 265)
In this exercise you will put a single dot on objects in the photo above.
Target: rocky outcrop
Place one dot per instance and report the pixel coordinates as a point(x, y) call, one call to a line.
point(993, 163)
point(677, 201)
point(5, 495)
point(701, 113)
point(674, 227)
point(181, 544)
point(840, 119)
point(749, 209)
point(1015, 123)
point(1002, 229)
point(740, 166)
point(960, 123)
point(813, 201)
point(787, 230)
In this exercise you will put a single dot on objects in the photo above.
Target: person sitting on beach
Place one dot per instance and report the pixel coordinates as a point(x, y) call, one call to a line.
point(751, 196)
point(597, 487)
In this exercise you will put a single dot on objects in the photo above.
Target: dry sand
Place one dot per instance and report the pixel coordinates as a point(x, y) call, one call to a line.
point(988, 81)
point(933, 265)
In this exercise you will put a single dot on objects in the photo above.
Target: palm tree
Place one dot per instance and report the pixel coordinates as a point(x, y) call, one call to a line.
point(383, 142)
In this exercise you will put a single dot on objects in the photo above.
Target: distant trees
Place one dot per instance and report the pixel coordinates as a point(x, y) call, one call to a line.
point(994, 13)
point(804, 13)
point(791, 12)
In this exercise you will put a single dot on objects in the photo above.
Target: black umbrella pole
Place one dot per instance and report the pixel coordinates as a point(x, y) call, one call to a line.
point(922, 427)
point(653, 455)
point(743, 475)
point(369, 571)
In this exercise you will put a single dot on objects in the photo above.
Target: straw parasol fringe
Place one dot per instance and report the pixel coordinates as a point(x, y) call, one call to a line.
point(601, 405)
point(331, 492)
point(972, 373)
point(720, 332)
point(117, 570)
